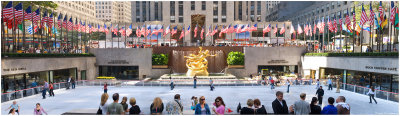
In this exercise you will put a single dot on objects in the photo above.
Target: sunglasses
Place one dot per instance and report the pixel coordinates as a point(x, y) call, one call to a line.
point(202, 99)
point(217, 101)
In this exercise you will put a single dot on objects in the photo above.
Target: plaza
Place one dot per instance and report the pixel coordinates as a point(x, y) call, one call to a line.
point(143, 49)
point(88, 102)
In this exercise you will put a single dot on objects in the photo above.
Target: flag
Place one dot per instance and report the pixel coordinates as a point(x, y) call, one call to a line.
point(30, 29)
point(348, 21)
point(148, 30)
point(358, 29)
point(215, 30)
point(106, 29)
point(182, 33)
point(344, 28)
point(306, 29)
point(70, 24)
point(44, 19)
point(254, 28)
point(222, 31)
point(364, 17)
point(167, 30)
point(28, 13)
point(129, 31)
point(392, 13)
point(340, 21)
point(366, 28)
point(282, 29)
point(209, 31)
point(195, 31)
point(371, 14)
point(115, 30)
point(59, 20)
point(309, 27)
point(276, 29)
point(231, 29)
point(122, 31)
point(18, 13)
point(299, 30)
point(381, 12)
point(64, 24)
point(37, 16)
point(188, 31)
point(8, 10)
point(239, 29)
point(267, 29)
point(315, 28)
point(291, 29)
point(50, 21)
point(138, 31)
point(335, 25)
point(384, 22)
point(377, 26)
point(330, 25)
point(173, 32)
point(202, 32)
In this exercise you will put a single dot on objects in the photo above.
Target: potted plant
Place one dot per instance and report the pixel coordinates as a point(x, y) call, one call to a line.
point(235, 60)
point(159, 61)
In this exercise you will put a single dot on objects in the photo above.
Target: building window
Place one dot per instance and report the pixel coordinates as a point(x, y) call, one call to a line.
point(172, 8)
point(240, 10)
point(215, 8)
point(180, 12)
point(223, 3)
point(258, 7)
point(172, 19)
point(156, 10)
point(180, 19)
point(215, 19)
point(203, 5)
point(144, 18)
point(192, 5)
point(223, 19)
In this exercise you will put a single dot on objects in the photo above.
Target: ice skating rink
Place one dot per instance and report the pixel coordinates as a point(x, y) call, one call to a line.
point(88, 97)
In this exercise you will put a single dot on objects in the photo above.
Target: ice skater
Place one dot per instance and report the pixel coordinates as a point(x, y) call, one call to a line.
point(194, 81)
point(105, 87)
point(172, 83)
point(288, 85)
point(317, 84)
point(329, 84)
point(320, 93)
point(272, 84)
point(371, 94)
point(14, 108)
point(211, 85)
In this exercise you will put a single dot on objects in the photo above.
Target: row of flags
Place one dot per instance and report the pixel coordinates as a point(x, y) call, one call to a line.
point(351, 26)
point(15, 15)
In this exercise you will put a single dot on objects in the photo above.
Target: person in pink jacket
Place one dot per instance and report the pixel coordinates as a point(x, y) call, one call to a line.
point(39, 110)
point(219, 103)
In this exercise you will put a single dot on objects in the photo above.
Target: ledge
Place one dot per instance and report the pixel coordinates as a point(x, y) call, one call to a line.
point(43, 55)
point(369, 54)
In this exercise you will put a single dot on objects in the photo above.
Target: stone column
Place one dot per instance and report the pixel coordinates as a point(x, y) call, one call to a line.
point(337, 85)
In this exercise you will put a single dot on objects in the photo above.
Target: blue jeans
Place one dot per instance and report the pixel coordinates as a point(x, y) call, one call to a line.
point(288, 88)
point(73, 85)
point(194, 85)
point(272, 86)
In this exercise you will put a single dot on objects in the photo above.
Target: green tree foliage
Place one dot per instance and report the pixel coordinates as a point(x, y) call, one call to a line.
point(375, 7)
point(159, 59)
point(235, 58)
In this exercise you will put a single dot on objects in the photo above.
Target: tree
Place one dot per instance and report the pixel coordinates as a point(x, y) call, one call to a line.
point(47, 5)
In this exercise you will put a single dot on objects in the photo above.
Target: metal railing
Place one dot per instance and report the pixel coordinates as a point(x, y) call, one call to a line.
point(386, 95)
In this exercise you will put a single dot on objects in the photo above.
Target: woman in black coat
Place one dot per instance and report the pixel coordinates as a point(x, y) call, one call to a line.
point(315, 109)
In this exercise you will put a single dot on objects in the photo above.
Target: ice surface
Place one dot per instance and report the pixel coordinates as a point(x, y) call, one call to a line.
point(88, 97)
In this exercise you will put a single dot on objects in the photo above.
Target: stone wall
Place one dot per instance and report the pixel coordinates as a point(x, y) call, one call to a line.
point(387, 65)
point(125, 57)
point(270, 56)
point(11, 66)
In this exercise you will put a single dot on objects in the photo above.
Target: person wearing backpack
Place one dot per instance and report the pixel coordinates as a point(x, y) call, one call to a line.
point(103, 106)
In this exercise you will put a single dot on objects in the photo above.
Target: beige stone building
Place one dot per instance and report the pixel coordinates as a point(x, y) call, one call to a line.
point(114, 12)
point(83, 10)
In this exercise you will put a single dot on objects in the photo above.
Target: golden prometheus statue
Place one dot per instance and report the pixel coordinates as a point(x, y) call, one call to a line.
point(197, 64)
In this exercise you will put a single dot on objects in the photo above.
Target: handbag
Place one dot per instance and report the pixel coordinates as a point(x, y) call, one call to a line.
point(99, 111)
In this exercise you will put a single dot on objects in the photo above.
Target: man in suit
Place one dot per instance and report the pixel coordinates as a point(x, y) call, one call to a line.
point(320, 93)
point(279, 104)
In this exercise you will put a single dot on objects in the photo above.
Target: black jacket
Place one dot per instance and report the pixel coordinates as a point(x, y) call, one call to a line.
point(320, 92)
point(278, 108)
point(315, 109)
point(246, 110)
point(261, 111)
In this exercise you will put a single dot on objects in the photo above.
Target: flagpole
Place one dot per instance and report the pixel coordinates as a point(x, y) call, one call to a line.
point(2, 33)
point(13, 29)
point(61, 32)
point(47, 33)
point(389, 46)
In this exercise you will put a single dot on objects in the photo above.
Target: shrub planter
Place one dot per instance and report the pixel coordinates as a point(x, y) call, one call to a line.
point(159, 66)
point(235, 66)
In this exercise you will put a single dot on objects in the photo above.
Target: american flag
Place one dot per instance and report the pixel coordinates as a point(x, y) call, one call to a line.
point(215, 30)
point(209, 31)
point(138, 31)
point(330, 27)
point(315, 27)
point(276, 29)
point(70, 24)
point(334, 24)
point(115, 29)
point(364, 17)
point(182, 33)
point(18, 12)
point(167, 30)
point(306, 29)
point(106, 29)
point(202, 33)
point(299, 30)
point(28, 13)
point(8, 10)
point(392, 13)
point(340, 22)
point(129, 30)
point(222, 31)
point(266, 29)
point(50, 20)
point(254, 28)
point(381, 12)
point(348, 22)
point(147, 31)
point(310, 28)
point(44, 19)
point(282, 29)
point(173, 32)
point(187, 31)
point(37, 16)
point(371, 15)
point(122, 31)
point(195, 31)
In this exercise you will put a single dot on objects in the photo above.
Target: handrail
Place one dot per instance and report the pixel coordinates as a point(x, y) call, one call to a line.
point(29, 88)
point(369, 88)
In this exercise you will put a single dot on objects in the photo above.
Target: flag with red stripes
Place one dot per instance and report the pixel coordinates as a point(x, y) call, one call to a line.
point(282, 29)
point(50, 21)
point(364, 17)
point(335, 25)
point(371, 15)
point(392, 13)
point(28, 13)
point(8, 10)
point(18, 13)
point(381, 12)
point(37, 16)
point(202, 33)
point(195, 31)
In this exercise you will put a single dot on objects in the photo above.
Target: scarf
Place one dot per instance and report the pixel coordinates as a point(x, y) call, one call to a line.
point(344, 105)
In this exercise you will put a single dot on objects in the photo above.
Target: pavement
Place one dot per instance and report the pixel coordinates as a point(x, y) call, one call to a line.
point(86, 99)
